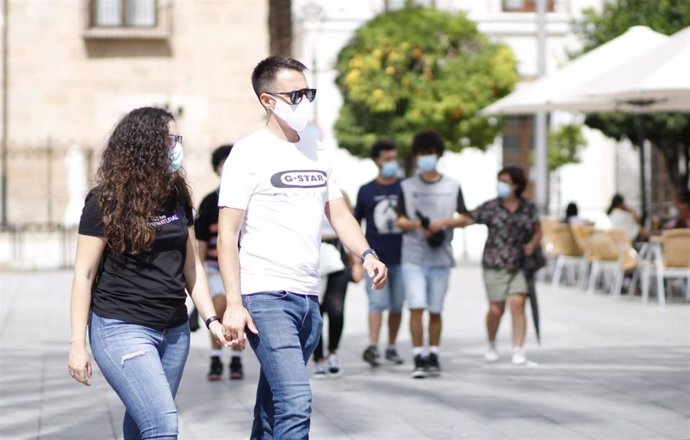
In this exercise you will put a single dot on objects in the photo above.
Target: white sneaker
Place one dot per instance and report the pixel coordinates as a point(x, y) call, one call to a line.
point(334, 365)
point(320, 370)
point(519, 356)
point(491, 355)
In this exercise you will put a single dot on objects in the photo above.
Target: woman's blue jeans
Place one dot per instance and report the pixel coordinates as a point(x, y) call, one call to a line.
point(289, 327)
point(144, 367)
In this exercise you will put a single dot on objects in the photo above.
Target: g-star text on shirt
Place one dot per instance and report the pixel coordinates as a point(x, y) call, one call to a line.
point(299, 179)
point(163, 220)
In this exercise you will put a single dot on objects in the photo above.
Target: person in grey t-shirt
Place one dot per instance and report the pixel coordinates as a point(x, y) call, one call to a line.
point(427, 213)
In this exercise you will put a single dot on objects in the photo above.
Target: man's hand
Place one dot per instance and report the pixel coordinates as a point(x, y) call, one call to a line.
point(376, 270)
point(235, 320)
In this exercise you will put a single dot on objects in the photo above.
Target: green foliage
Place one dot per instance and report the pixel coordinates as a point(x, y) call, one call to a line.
point(420, 68)
point(564, 146)
point(669, 132)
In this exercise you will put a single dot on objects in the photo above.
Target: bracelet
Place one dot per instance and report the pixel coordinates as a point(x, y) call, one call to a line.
point(367, 252)
point(211, 319)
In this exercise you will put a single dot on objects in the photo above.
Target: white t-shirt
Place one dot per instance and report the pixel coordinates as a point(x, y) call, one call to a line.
point(283, 189)
point(622, 219)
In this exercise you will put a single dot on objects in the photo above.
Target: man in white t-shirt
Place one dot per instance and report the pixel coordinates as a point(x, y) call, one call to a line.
point(273, 196)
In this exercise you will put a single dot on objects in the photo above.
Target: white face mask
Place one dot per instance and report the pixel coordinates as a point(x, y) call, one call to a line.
point(176, 157)
point(297, 116)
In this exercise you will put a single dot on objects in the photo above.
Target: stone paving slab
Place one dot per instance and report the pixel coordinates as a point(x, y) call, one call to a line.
point(608, 368)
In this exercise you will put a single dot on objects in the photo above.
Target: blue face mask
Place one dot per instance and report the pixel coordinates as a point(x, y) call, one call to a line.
point(503, 189)
point(176, 157)
point(427, 163)
point(389, 169)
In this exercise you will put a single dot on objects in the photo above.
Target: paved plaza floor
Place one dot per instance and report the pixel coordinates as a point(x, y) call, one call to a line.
point(608, 368)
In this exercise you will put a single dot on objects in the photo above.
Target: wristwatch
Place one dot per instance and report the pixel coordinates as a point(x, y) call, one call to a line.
point(211, 319)
point(367, 252)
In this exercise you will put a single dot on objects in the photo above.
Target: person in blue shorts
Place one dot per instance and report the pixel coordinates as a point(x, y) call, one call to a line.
point(377, 205)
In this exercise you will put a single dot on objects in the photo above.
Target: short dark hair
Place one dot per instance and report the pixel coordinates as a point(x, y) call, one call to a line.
point(220, 154)
point(428, 141)
point(571, 210)
point(265, 72)
point(517, 176)
point(380, 146)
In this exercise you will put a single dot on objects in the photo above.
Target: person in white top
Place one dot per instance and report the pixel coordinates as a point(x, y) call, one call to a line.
point(623, 217)
point(274, 193)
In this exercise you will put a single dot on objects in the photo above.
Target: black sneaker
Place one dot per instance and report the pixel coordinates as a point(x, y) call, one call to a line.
point(392, 355)
point(236, 372)
point(216, 371)
point(433, 368)
point(420, 367)
point(371, 355)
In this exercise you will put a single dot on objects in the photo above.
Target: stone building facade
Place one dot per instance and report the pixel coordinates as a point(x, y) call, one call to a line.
point(76, 66)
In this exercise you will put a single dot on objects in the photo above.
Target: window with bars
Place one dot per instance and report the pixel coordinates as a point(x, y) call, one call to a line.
point(127, 19)
point(124, 13)
point(525, 5)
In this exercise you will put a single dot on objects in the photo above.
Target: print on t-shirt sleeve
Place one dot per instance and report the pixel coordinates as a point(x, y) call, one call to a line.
point(237, 181)
point(91, 222)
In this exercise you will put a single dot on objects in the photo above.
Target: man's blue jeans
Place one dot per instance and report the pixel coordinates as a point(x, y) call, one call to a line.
point(144, 367)
point(289, 327)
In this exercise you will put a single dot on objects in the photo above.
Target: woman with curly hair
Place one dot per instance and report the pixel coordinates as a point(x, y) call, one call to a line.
point(136, 255)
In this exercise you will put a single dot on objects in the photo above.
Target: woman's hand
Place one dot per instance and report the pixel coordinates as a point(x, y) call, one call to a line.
point(529, 248)
point(216, 329)
point(79, 364)
point(235, 320)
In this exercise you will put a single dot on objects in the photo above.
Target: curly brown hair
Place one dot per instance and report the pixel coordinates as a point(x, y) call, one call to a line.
point(134, 179)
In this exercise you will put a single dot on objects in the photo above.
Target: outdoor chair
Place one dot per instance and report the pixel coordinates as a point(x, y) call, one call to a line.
point(566, 253)
point(610, 253)
point(547, 224)
point(582, 232)
point(671, 260)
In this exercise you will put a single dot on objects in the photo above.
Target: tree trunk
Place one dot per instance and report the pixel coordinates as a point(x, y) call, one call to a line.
point(280, 27)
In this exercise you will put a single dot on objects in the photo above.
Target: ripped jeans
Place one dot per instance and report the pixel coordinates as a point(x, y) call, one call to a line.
point(144, 367)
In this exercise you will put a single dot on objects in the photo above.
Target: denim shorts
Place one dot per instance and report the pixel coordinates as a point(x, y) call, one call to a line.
point(425, 286)
point(390, 297)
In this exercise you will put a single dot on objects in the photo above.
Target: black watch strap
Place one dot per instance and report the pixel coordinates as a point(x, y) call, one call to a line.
point(367, 252)
point(211, 319)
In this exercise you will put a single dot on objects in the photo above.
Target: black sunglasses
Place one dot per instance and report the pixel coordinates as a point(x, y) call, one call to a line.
point(296, 95)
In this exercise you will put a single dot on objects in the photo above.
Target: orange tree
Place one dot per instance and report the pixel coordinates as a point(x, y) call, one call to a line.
point(420, 68)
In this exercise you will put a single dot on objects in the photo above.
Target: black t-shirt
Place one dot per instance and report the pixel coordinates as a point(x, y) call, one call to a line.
point(206, 227)
point(148, 288)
